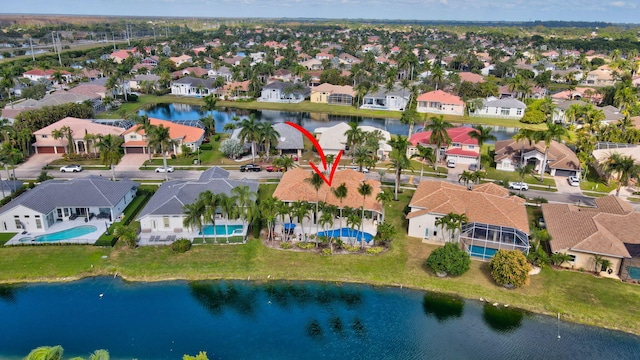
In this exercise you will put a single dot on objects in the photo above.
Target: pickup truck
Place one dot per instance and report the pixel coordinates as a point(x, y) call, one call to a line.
point(518, 186)
point(250, 167)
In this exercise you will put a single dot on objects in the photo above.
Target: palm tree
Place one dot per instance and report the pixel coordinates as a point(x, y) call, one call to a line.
point(327, 219)
point(301, 211)
point(244, 198)
point(127, 234)
point(340, 193)
point(99, 355)
point(399, 159)
point(624, 167)
point(354, 135)
point(209, 125)
point(269, 136)
point(210, 202)
point(46, 353)
point(384, 197)
point(524, 171)
point(439, 135)
point(65, 132)
point(316, 181)
point(482, 134)
point(554, 132)
point(159, 138)
point(524, 135)
point(194, 214)
point(353, 221)
point(110, 147)
point(250, 132)
point(143, 123)
point(466, 176)
point(425, 153)
point(365, 189)
point(269, 209)
point(209, 104)
point(227, 207)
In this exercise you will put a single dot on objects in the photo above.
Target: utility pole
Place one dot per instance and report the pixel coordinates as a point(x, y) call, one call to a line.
point(33, 56)
point(59, 49)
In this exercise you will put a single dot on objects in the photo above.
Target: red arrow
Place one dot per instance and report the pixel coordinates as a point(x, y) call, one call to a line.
point(321, 153)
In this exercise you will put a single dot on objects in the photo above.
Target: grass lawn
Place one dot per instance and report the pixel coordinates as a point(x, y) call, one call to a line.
point(578, 296)
point(4, 237)
point(494, 174)
point(594, 183)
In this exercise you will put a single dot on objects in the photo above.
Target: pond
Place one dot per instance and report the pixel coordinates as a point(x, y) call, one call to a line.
point(283, 320)
point(310, 121)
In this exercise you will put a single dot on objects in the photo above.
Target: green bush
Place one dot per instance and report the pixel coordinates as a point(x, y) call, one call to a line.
point(351, 248)
point(181, 245)
point(285, 245)
point(106, 240)
point(305, 245)
point(208, 146)
point(450, 259)
point(326, 251)
point(510, 267)
point(374, 250)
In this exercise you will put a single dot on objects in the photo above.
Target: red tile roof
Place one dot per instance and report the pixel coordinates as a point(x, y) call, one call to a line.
point(461, 152)
point(188, 134)
point(441, 97)
point(459, 135)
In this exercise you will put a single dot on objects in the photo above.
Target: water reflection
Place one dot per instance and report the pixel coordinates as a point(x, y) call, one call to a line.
point(8, 292)
point(314, 330)
point(219, 296)
point(502, 319)
point(287, 294)
point(442, 307)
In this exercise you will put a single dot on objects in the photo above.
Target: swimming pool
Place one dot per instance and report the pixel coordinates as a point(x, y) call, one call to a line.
point(634, 272)
point(221, 230)
point(347, 232)
point(481, 252)
point(62, 235)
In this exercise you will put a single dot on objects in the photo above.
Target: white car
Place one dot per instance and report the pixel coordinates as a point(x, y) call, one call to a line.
point(71, 168)
point(518, 186)
point(451, 163)
point(161, 169)
point(573, 181)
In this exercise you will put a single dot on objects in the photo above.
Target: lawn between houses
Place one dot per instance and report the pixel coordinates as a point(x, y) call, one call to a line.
point(579, 297)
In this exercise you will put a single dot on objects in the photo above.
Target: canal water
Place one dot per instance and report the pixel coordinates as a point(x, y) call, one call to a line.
point(309, 121)
point(284, 320)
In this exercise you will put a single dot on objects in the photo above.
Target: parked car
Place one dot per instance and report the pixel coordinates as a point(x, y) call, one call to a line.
point(71, 168)
point(364, 169)
point(451, 163)
point(473, 167)
point(541, 223)
point(272, 168)
point(573, 181)
point(250, 167)
point(518, 186)
point(161, 169)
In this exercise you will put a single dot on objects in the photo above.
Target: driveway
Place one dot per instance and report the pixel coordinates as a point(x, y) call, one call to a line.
point(563, 186)
point(131, 162)
point(38, 161)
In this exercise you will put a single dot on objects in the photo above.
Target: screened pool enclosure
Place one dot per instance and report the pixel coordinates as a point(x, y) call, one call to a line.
point(482, 240)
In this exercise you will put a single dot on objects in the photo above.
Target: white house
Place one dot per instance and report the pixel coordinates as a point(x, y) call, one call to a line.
point(191, 86)
point(440, 102)
point(507, 108)
point(333, 139)
point(36, 210)
point(395, 99)
point(279, 91)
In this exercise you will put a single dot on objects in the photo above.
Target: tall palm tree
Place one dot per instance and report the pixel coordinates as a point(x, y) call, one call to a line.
point(439, 135)
point(99, 355)
point(399, 159)
point(482, 134)
point(301, 211)
point(353, 221)
point(425, 153)
point(194, 214)
point(268, 211)
point(624, 167)
point(209, 125)
point(228, 208)
point(554, 132)
point(326, 219)
point(384, 197)
point(354, 135)
point(65, 132)
point(521, 136)
point(159, 138)
point(340, 193)
point(143, 123)
point(269, 136)
point(127, 234)
point(244, 198)
point(316, 181)
point(46, 353)
point(209, 104)
point(250, 132)
point(110, 147)
point(210, 202)
point(365, 189)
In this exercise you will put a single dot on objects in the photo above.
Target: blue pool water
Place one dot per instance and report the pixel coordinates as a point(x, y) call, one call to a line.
point(634, 272)
point(479, 251)
point(221, 230)
point(62, 235)
point(346, 232)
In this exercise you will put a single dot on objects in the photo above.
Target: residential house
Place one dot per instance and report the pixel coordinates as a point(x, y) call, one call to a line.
point(603, 151)
point(41, 208)
point(394, 100)
point(84, 133)
point(283, 75)
point(333, 94)
point(586, 93)
point(511, 154)
point(312, 64)
point(471, 77)
point(119, 56)
point(536, 92)
point(136, 140)
point(496, 220)
point(440, 102)
point(463, 149)
point(164, 213)
point(507, 108)
point(609, 231)
point(193, 71)
point(611, 114)
point(179, 60)
point(191, 86)
point(93, 91)
point(135, 83)
point(600, 77)
point(235, 90)
point(279, 91)
point(333, 139)
point(222, 71)
point(36, 75)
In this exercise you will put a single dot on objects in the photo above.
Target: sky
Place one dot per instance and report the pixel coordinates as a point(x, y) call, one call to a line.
point(616, 11)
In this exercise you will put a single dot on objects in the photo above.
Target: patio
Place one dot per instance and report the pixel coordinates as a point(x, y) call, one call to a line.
point(369, 226)
point(167, 237)
point(87, 239)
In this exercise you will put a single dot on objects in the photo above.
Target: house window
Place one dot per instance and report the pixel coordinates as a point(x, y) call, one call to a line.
point(519, 112)
point(18, 224)
point(59, 213)
point(504, 111)
point(572, 258)
point(66, 211)
point(26, 216)
point(134, 136)
point(38, 224)
point(471, 147)
point(166, 221)
point(44, 136)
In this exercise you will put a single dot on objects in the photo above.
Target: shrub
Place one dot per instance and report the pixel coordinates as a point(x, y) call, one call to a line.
point(285, 245)
point(510, 267)
point(374, 250)
point(450, 259)
point(173, 156)
point(305, 245)
point(206, 147)
point(326, 251)
point(351, 248)
point(181, 245)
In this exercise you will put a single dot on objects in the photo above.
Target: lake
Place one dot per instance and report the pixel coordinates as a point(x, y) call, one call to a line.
point(310, 121)
point(284, 320)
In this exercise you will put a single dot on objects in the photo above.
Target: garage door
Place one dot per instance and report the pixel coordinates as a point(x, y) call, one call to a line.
point(46, 150)
point(61, 150)
point(565, 173)
point(134, 150)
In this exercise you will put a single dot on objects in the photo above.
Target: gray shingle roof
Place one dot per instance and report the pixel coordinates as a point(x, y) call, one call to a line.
point(207, 83)
point(506, 103)
point(290, 138)
point(173, 195)
point(90, 191)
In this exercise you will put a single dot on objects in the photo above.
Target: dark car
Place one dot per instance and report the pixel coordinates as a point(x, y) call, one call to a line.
point(250, 167)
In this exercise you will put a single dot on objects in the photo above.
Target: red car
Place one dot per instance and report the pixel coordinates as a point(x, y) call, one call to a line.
point(272, 168)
